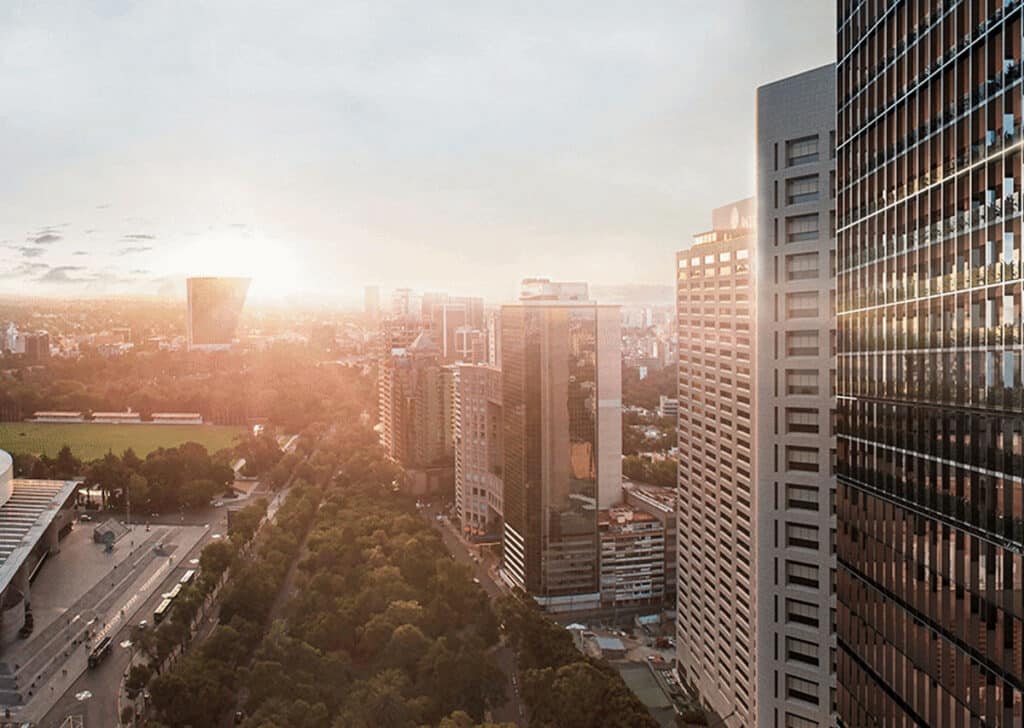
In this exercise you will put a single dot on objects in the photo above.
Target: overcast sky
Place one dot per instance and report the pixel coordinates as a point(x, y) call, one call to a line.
point(324, 144)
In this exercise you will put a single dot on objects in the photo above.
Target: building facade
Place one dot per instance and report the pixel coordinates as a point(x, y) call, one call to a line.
point(632, 557)
point(414, 425)
point(794, 404)
point(478, 451)
point(214, 309)
point(562, 450)
point(931, 406)
point(715, 601)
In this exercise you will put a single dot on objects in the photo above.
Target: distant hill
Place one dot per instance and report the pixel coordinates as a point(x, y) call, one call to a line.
point(633, 294)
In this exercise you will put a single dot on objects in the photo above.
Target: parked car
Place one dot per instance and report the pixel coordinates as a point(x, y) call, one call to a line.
point(85, 518)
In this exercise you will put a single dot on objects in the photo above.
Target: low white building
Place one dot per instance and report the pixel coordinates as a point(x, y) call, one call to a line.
point(177, 418)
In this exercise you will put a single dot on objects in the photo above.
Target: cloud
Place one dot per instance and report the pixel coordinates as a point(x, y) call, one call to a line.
point(140, 272)
point(81, 252)
point(140, 236)
point(62, 274)
point(45, 237)
point(24, 270)
point(30, 252)
point(135, 249)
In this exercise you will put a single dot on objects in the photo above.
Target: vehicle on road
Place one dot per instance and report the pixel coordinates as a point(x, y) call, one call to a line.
point(85, 518)
point(161, 611)
point(143, 625)
point(187, 577)
point(100, 651)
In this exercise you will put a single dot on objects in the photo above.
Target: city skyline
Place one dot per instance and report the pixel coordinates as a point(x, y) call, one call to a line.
point(233, 145)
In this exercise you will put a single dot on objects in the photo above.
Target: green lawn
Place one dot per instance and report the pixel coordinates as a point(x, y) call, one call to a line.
point(89, 441)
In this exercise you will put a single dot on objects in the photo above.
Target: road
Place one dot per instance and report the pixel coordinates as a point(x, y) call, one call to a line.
point(103, 682)
point(513, 711)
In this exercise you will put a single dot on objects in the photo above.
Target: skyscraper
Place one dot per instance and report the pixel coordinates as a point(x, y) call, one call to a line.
point(931, 406)
point(793, 437)
point(413, 424)
point(715, 602)
point(478, 449)
point(214, 308)
point(562, 450)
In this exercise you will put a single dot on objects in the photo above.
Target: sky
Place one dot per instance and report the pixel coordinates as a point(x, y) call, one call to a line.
point(323, 145)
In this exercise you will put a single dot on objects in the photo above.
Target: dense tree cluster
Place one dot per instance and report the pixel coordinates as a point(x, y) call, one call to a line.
point(173, 633)
point(203, 685)
point(386, 628)
point(656, 472)
point(645, 392)
point(562, 687)
point(286, 384)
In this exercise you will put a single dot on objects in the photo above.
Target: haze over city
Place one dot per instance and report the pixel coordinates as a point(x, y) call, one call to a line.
point(512, 365)
point(320, 145)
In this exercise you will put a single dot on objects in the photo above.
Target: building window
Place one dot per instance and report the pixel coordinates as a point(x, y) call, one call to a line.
point(800, 689)
point(802, 305)
point(802, 189)
point(802, 420)
point(801, 267)
point(796, 721)
point(802, 343)
point(802, 151)
point(802, 651)
point(801, 536)
point(801, 612)
point(802, 227)
point(803, 459)
point(802, 381)
point(801, 497)
point(801, 574)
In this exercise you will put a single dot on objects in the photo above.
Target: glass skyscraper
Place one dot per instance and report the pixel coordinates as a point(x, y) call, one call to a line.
point(931, 407)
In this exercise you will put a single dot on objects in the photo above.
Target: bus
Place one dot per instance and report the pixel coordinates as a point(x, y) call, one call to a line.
point(187, 577)
point(100, 651)
point(173, 593)
point(161, 611)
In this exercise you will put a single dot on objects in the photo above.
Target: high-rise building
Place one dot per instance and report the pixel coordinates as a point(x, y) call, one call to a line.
point(402, 304)
point(214, 309)
point(494, 339)
point(632, 557)
point(930, 503)
point(715, 599)
point(478, 449)
point(794, 404)
point(36, 346)
point(413, 425)
point(562, 450)
point(371, 303)
point(448, 318)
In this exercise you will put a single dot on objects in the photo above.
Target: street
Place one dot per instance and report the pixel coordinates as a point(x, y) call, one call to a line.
point(513, 711)
point(93, 695)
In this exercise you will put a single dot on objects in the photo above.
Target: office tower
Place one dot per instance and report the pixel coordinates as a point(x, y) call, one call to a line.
point(561, 401)
point(793, 437)
point(544, 289)
point(411, 399)
point(402, 303)
point(371, 303)
point(474, 308)
point(494, 339)
point(478, 449)
point(715, 599)
point(430, 302)
point(36, 346)
point(931, 407)
point(448, 318)
point(214, 308)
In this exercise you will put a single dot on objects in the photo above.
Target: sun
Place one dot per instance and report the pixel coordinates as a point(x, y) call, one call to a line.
point(272, 267)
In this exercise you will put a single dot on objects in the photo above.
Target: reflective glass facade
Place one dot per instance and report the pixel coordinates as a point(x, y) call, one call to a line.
point(931, 406)
point(550, 410)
